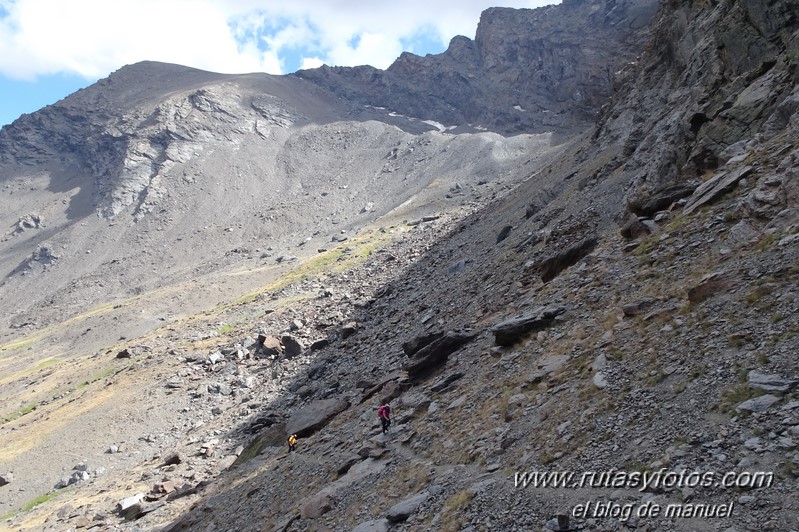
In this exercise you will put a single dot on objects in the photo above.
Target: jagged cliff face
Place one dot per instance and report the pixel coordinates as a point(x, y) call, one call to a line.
point(527, 70)
point(713, 78)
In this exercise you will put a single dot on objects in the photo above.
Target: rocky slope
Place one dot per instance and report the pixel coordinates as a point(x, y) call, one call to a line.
point(624, 309)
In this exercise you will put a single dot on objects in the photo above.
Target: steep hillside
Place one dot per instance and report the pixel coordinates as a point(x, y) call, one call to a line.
point(618, 307)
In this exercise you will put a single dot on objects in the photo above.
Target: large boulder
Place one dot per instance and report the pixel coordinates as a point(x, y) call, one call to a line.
point(314, 416)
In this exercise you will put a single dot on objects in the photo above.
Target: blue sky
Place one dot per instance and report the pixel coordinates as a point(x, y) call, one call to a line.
point(51, 48)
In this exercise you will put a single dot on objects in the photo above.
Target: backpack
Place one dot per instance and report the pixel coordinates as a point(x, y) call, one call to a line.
point(381, 412)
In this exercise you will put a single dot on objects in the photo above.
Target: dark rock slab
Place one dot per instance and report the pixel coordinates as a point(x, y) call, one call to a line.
point(314, 416)
point(274, 436)
point(632, 228)
point(443, 383)
point(379, 386)
point(134, 507)
point(661, 199)
point(550, 267)
point(284, 524)
point(504, 233)
point(412, 346)
point(390, 391)
point(347, 464)
point(292, 346)
point(510, 331)
point(171, 458)
point(436, 352)
point(319, 344)
point(348, 329)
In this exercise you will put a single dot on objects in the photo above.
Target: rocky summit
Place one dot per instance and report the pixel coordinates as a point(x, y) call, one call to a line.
point(564, 252)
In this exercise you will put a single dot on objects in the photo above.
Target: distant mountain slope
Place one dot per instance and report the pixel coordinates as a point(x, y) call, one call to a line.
point(161, 173)
point(527, 70)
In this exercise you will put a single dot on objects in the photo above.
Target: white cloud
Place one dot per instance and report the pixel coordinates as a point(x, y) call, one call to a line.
point(94, 37)
point(311, 62)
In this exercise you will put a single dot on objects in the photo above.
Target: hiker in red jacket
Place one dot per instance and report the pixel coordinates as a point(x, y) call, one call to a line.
point(384, 413)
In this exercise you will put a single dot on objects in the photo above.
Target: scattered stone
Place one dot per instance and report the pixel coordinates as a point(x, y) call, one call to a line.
point(6, 478)
point(442, 384)
point(170, 459)
point(412, 346)
point(661, 199)
point(29, 221)
point(553, 265)
point(128, 507)
point(270, 346)
point(599, 362)
point(632, 228)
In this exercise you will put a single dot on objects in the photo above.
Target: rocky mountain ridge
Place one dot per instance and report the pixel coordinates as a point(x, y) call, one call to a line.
point(527, 70)
point(611, 307)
